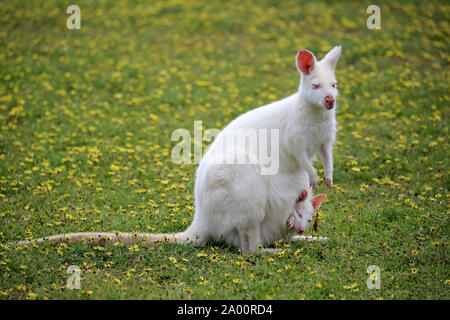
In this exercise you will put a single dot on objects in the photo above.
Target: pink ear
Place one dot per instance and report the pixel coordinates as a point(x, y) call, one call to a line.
point(303, 195)
point(317, 200)
point(305, 61)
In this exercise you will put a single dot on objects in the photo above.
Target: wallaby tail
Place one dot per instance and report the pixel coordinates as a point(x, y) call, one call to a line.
point(111, 237)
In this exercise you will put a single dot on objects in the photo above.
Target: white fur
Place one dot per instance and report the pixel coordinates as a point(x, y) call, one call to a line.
point(238, 205)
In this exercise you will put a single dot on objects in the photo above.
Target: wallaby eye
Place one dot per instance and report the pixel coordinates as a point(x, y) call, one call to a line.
point(315, 86)
point(334, 85)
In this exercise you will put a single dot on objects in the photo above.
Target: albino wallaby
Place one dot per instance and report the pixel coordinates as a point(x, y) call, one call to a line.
point(235, 202)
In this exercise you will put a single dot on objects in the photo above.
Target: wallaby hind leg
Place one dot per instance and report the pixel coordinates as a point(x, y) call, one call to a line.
point(251, 241)
point(250, 238)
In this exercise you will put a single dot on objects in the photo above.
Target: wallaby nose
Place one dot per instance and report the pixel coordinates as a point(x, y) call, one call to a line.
point(300, 230)
point(329, 102)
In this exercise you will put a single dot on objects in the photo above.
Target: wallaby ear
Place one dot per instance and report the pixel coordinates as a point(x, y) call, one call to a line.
point(303, 195)
point(317, 200)
point(305, 61)
point(332, 57)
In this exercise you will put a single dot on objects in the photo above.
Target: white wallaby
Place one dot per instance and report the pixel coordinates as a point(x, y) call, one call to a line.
point(301, 217)
point(234, 201)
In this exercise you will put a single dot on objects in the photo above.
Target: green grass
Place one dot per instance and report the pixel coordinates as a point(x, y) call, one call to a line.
point(86, 118)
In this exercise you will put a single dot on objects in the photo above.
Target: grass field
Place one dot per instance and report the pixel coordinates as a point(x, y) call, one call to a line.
point(86, 119)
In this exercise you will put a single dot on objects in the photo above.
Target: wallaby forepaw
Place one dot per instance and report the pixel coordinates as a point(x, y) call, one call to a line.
point(314, 185)
point(290, 222)
point(314, 181)
point(328, 182)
